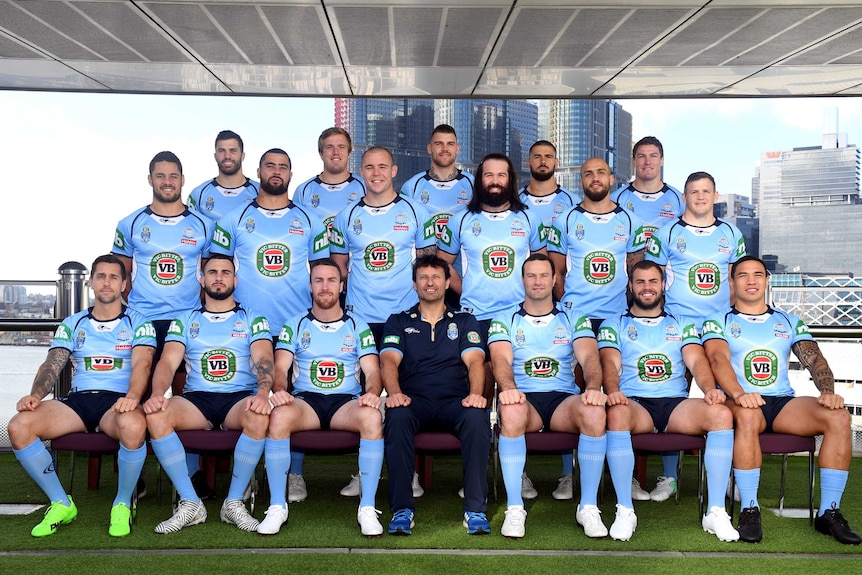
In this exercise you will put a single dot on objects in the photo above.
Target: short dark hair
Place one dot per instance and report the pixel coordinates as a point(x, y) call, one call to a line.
point(166, 157)
point(229, 135)
point(374, 149)
point(334, 131)
point(430, 261)
point(214, 257)
point(648, 141)
point(276, 151)
point(539, 257)
point(744, 259)
point(329, 262)
point(109, 259)
point(443, 129)
point(693, 177)
point(646, 265)
point(543, 143)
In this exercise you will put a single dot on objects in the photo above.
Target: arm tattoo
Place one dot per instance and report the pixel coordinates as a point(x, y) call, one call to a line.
point(265, 371)
point(810, 356)
point(426, 251)
point(49, 372)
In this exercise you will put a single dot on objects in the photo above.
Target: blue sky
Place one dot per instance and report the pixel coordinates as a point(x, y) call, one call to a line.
point(81, 159)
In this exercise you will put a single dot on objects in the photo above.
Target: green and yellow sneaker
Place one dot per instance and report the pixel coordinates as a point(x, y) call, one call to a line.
point(121, 521)
point(57, 514)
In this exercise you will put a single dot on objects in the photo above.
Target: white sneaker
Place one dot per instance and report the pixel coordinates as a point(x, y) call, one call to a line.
point(354, 488)
point(718, 523)
point(625, 524)
point(369, 525)
point(234, 512)
point(417, 489)
point(527, 489)
point(188, 513)
point(513, 524)
point(296, 490)
point(564, 488)
point(638, 493)
point(276, 516)
point(665, 487)
point(591, 519)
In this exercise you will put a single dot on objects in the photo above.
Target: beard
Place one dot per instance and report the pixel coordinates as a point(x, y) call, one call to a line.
point(274, 190)
point(493, 199)
point(645, 305)
point(327, 303)
point(219, 295)
point(165, 198)
point(542, 176)
point(230, 171)
point(596, 196)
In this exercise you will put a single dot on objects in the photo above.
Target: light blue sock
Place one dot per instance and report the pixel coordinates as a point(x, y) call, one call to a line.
point(39, 465)
point(171, 454)
point(832, 484)
point(246, 456)
point(296, 459)
point(621, 462)
point(748, 480)
point(513, 457)
point(130, 462)
point(591, 460)
point(669, 460)
point(193, 462)
point(568, 463)
point(718, 459)
point(278, 457)
point(370, 464)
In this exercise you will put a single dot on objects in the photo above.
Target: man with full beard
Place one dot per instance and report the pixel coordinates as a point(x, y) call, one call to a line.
point(646, 400)
point(272, 240)
point(230, 188)
point(543, 194)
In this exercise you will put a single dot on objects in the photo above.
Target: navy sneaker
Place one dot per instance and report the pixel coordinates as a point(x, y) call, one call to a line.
point(749, 528)
point(402, 522)
point(476, 523)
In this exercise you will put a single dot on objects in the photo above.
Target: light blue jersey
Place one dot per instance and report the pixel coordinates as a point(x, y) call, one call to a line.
point(166, 254)
point(493, 246)
point(215, 201)
point(326, 354)
point(441, 199)
point(102, 350)
point(218, 348)
point(651, 353)
point(549, 207)
point(654, 210)
point(326, 200)
point(380, 244)
point(760, 346)
point(696, 261)
point(271, 250)
point(543, 347)
point(596, 247)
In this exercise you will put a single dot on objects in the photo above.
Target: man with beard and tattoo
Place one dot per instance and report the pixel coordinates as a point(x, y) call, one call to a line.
point(162, 246)
point(272, 240)
point(111, 348)
point(543, 194)
point(230, 188)
point(228, 350)
point(644, 354)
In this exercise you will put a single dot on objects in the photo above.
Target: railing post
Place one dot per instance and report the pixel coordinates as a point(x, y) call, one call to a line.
point(72, 296)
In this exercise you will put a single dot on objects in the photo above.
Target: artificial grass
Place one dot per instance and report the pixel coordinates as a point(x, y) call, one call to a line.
point(327, 520)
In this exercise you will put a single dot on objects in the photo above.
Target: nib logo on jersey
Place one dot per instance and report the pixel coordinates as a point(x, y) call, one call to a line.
point(218, 365)
point(761, 367)
point(600, 268)
point(379, 256)
point(166, 268)
point(654, 368)
point(327, 374)
point(498, 261)
point(542, 367)
point(273, 260)
point(703, 279)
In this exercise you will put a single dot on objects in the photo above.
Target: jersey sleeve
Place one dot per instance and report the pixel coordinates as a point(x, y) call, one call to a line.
point(800, 331)
point(450, 239)
point(63, 335)
point(287, 335)
point(536, 240)
point(471, 335)
point(318, 242)
point(393, 334)
point(144, 332)
point(609, 334)
point(177, 331)
point(123, 238)
point(637, 235)
point(500, 329)
point(338, 233)
point(556, 237)
point(689, 332)
point(740, 245)
point(655, 250)
point(259, 326)
point(582, 326)
point(713, 328)
point(425, 231)
point(224, 231)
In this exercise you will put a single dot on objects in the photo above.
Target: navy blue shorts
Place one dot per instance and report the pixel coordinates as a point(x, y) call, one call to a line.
point(774, 405)
point(659, 408)
point(91, 406)
point(215, 406)
point(546, 403)
point(325, 404)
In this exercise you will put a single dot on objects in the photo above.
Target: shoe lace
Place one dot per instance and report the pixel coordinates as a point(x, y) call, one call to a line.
point(747, 516)
point(475, 515)
point(836, 516)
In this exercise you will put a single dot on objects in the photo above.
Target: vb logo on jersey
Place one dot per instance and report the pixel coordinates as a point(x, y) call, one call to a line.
point(654, 368)
point(102, 363)
point(218, 365)
point(541, 367)
point(437, 226)
point(166, 268)
point(326, 374)
point(379, 256)
point(498, 261)
point(703, 279)
point(600, 268)
point(273, 260)
point(761, 367)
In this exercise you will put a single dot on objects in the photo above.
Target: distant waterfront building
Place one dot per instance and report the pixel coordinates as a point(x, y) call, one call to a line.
point(739, 211)
point(809, 207)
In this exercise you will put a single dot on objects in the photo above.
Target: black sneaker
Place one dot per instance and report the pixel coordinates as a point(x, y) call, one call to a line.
point(201, 486)
point(833, 523)
point(749, 526)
